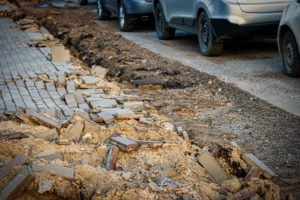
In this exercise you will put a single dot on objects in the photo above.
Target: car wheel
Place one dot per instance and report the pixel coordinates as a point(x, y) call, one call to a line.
point(163, 32)
point(124, 19)
point(101, 11)
point(83, 2)
point(207, 45)
point(290, 55)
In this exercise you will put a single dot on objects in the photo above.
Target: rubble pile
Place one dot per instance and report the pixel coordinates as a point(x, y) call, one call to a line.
point(105, 144)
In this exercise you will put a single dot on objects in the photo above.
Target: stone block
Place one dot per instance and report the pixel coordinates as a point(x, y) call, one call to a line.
point(18, 160)
point(65, 172)
point(124, 144)
point(60, 54)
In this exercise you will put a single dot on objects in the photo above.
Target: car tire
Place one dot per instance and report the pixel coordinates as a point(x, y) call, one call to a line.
point(207, 45)
point(290, 54)
point(102, 13)
point(124, 20)
point(83, 2)
point(163, 32)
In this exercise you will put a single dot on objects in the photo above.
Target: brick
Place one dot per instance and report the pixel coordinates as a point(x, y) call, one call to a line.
point(255, 162)
point(18, 160)
point(60, 54)
point(111, 158)
point(124, 144)
point(65, 172)
point(15, 187)
point(74, 131)
point(104, 103)
point(71, 86)
point(46, 121)
point(70, 100)
point(212, 166)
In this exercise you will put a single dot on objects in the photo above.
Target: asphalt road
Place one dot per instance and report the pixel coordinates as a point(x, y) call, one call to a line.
point(254, 66)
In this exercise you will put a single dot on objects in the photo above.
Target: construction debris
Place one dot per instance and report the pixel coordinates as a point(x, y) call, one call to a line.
point(18, 160)
point(111, 158)
point(124, 144)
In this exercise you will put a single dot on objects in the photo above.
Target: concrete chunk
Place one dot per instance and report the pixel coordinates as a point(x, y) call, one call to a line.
point(124, 144)
point(107, 117)
point(49, 135)
point(60, 54)
point(111, 158)
point(79, 97)
point(212, 166)
point(99, 71)
point(133, 104)
point(15, 187)
point(255, 162)
point(13, 136)
point(74, 131)
point(43, 120)
point(126, 114)
point(18, 160)
point(65, 172)
point(90, 80)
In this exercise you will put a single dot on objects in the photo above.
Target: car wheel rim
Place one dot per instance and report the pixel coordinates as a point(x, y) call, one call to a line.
point(122, 16)
point(205, 32)
point(99, 8)
point(289, 52)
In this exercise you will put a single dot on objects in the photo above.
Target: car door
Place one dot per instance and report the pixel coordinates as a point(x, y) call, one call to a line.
point(179, 11)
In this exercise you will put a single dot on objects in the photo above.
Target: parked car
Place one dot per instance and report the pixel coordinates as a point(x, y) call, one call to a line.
point(128, 11)
point(289, 39)
point(214, 21)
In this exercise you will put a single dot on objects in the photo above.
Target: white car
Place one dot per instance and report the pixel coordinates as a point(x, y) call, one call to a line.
point(289, 39)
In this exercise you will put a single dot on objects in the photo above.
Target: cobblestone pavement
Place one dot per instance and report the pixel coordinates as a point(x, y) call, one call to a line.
point(21, 65)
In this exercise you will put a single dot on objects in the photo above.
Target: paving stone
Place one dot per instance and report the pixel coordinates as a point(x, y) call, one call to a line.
point(60, 54)
point(49, 155)
point(255, 162)
point(212, 166)
point(79, 97)
point(133, 104)
point(43, 120)
point(18, 160)
point(13, 136)
point(50, 87)
point(74, 131)
point(99, 71)
point(71, 86)
point(111, 158)
point(104, 103)
point(71, 101)
point(65, 172)
point(124, 144)
point(15, 187)
point(126, 114)
point(49, 135)
point(106, 117)
point(84, 106)
point(90, 80)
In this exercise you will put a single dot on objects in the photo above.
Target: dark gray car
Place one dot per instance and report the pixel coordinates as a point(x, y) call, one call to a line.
point(217, 20)
point(129, 11)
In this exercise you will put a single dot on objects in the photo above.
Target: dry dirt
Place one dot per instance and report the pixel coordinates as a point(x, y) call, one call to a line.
point(211, 111)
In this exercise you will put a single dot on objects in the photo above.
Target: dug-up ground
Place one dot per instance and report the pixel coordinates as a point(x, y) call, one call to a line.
point(100, 143)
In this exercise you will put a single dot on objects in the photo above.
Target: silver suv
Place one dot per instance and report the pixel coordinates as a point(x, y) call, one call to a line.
point(216, 20)
point(289, 39)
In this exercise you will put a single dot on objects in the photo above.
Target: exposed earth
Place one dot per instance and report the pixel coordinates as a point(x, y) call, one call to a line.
point(212, 112)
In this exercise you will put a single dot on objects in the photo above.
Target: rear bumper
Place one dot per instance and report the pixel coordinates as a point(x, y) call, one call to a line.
point(139, 7)
point(223, 29)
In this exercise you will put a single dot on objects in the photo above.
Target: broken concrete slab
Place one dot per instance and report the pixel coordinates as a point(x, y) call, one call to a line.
point(124, 144)
point(99, 71)
point(16, 186)
point(43, 120)
point(65, 172)
point(49, 135)
point(104, 103)
point(255, 162)
point(107, 117)
point(133, 104)
point(55, 113)
point(91, 80)
point(23, 117)
point(18, 160)
point(73, 132)
point(111, 158)
point(147, 121)
point(71, 100)
point(49, 155)
point(60, 54)
point(212, 166)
